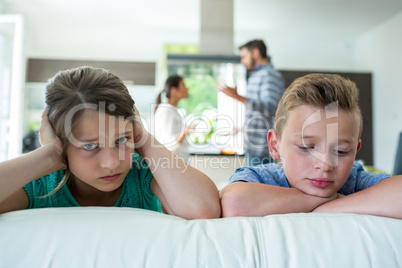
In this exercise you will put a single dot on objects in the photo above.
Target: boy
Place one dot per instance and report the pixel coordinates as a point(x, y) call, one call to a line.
point(317, 135)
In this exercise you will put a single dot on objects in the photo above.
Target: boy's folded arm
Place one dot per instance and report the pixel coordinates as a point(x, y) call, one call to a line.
point(256, 199)
point(382, 199)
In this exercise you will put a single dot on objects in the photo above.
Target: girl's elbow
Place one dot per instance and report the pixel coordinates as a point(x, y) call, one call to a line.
point(208, 211)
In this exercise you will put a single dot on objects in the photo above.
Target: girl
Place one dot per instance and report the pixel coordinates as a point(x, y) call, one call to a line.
point(88, 134)
point(170, 129)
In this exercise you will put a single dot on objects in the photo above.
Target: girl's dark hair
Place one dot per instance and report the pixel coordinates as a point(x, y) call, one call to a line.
point(171, 81)
point(69, 92)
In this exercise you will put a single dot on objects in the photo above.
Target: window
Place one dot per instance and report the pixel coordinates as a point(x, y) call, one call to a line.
point(221, 117)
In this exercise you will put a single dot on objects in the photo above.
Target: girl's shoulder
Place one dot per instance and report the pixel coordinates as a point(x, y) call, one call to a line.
point(139, 163)
point(137, 190)
point(39, 188)
point(139, 170)
point(47, 183)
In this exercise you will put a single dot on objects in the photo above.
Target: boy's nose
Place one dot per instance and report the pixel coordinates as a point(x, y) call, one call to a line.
point(324, 162)
point(109, 158)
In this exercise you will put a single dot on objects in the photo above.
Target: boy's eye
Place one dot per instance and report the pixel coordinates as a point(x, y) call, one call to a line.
point(340, 152)
point(306, 148)
point(122, 140)
point(90, 146)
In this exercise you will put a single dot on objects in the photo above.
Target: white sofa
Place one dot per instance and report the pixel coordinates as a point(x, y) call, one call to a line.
point(123, 237)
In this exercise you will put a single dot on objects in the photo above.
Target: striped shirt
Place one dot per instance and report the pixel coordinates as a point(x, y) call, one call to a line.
point(265, 87)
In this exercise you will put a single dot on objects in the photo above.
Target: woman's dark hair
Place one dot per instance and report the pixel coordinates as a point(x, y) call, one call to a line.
point(171, 81)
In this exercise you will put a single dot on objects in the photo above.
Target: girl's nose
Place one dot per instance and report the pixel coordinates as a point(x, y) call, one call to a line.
point(109, 158)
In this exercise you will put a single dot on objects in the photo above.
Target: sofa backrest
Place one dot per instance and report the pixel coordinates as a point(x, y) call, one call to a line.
point(126, 237)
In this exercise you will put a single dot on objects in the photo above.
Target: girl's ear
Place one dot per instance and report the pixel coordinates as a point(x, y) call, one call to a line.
point(273, 144)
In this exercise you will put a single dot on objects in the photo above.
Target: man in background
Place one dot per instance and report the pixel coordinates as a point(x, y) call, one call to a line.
point(265, 87)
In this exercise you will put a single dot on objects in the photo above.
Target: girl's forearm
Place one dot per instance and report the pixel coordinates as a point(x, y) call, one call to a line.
point(17, 172)
point(188, 192)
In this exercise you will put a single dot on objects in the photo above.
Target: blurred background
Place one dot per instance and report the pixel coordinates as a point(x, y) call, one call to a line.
point(138, 40)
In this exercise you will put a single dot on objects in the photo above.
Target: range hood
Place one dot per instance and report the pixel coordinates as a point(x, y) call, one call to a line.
point(216, 35)
point(201, 58)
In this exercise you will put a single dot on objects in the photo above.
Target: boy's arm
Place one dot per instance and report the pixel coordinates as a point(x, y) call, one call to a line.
point(257, 199)
point(382, 199)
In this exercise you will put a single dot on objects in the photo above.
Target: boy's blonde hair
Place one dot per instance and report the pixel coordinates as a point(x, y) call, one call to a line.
point(319, 90)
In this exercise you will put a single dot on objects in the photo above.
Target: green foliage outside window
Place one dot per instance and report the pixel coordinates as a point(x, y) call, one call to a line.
point(202, 95)
point(201, 81)
point(202, 103)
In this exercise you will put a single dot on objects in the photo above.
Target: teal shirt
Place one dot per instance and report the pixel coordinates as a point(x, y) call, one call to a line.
point(136, 191)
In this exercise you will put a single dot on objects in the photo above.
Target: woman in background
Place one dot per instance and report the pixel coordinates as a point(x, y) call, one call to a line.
point(170, 128)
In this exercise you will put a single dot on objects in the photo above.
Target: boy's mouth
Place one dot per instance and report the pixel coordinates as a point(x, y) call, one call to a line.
point(320, 182)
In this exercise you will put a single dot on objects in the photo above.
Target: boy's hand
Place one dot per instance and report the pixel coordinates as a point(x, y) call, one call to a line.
point(339, 196)
point(334, 197)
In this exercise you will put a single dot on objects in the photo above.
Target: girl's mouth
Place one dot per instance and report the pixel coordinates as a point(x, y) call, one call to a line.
point(111, 178)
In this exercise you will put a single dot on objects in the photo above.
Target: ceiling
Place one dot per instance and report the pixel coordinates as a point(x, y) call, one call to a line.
point(344, 18)
point(340, 20)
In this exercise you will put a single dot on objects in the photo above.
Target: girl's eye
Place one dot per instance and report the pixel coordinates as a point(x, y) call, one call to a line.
point(122, 140)
point(90, 146)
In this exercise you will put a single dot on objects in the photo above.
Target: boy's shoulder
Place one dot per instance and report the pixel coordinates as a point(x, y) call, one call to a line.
point(271, 174)
point(359, 179)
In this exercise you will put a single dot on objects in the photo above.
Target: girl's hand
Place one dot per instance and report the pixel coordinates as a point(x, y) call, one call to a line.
point(47, 137)
point(141, 135)
point(46, 132)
